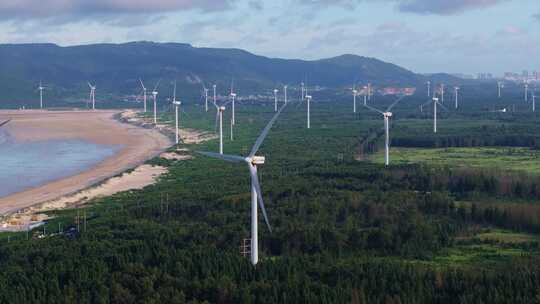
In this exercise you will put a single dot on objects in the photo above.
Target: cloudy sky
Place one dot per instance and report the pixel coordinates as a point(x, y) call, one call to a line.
point(466, 36)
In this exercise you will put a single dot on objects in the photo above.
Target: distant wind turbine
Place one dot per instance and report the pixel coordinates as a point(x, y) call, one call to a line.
point(442, 93)
point(285, 92)
point(308, 99)
point(303, 92)
point(435, 102)
point(387, 115)
point(500, 85)
point(155, 94)
point(206, 99)
point(355, 93)
point(41, 88)
point(215, 96)
point(456, 91)
point(533, 102)
point(428, 88)
point(176, 104)
point(219, 122)
point(92, 95)
point(233, 96)
point(369, 91)
point(526, 92)
point(144, 94)
point(256, 194)
point(365, 94)
point(275, 100)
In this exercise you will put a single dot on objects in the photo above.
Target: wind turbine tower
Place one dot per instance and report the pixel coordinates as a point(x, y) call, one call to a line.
point(428, 88)
point(308, 99)
point(155, 94)
point(500, 85)
point(285, 92)
point(215, 96)
point(303, 92)
point(176, 104)
point(233, 96)
point(526, 92)
point(442, 93)
point(355, 93)
point(275, 100)
point(456, 91)
point(40, 88)
point(206, 99)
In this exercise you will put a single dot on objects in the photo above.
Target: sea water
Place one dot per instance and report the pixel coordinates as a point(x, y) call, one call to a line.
point(27, 165)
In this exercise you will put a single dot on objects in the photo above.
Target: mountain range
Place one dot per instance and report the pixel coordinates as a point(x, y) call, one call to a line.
point(116, 69)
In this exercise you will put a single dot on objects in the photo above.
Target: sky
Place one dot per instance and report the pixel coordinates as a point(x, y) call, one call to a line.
point(426, 36)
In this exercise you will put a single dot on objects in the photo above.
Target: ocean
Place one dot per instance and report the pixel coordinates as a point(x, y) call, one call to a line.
point(31, 164)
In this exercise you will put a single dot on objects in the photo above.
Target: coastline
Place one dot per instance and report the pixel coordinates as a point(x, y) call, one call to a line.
point(100, 127)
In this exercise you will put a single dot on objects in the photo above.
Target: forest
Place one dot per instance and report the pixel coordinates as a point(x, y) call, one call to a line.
point(345, 229)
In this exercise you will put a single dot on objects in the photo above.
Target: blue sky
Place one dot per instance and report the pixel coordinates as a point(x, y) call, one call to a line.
point(466, 36)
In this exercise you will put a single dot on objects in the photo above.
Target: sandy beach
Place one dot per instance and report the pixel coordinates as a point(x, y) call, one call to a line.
point(100, 127)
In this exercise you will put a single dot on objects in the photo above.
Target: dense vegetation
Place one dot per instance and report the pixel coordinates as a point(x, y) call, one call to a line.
point(345, 231)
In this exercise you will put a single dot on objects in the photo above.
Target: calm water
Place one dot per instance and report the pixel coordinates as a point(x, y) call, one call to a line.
point(27, 165)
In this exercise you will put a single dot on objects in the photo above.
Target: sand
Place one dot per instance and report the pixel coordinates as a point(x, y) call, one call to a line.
point(139, 144)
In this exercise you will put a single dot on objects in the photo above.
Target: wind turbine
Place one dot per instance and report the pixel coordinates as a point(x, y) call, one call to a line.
point(233, 96)
point(92, 95)
point(308, 99)
point(275, 99)
point(369, 91)
point(526, 91)
point(456, 91)
point(435, 102)
point(442, 93)
point(285, 92)
point(155, 94)
point(215, 96)
point(219, 119)
point(256, 194)
point(355, 92)
point(176, 104)
point(500, 85)
point(365, 95)
point(387, 115)
point(428, 88)
point(144, 94)
point(533, 102)
point(303, 93)
point(206, 99)
point(41, 88)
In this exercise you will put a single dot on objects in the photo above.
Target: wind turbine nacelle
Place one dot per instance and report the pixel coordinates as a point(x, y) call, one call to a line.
point(275, 91)
point(435, 99)
point(308, 96)
point(154, 93)
point(233, 94)
point(355, 91)
point(222, 109)
point(388, 114)
point(258, 160)
point(177, 103)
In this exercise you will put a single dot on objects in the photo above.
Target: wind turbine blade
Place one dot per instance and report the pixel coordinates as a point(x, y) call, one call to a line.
point(5, 122)
point(395, 103)
point(89, 85)
point(427, 102)
point(157, 85)
point(142, 84)
point(257, 185)
point(264, 133)
point(373, 109)
point(442, 106)
point(225, 157)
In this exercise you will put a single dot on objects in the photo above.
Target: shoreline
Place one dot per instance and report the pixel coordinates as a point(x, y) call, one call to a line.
point(101, 127)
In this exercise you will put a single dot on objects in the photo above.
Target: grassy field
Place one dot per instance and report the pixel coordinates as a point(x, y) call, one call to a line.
point(508, 237)
point(502, 158)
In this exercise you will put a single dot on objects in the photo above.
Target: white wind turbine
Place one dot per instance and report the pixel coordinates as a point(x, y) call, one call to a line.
point(303, 92)
point(308, 100)
point(369, 91)
point(456, 91)
point(215, 94)
point(256, 194)
point(233, 97)
point(500, 85)
point(206, 99)
point(526, 91)
point(275, 99)
point(428, 88)
point(533, 101)
point(219, 121)
point(355, 93)
point(435, 102)
point(92, 95)
point(442, 93)
point(285, 92)
point(365, 94)
point(41, 88)
point(176, 104)
point(154, 95)
point(387, 115)
point(144, 94)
